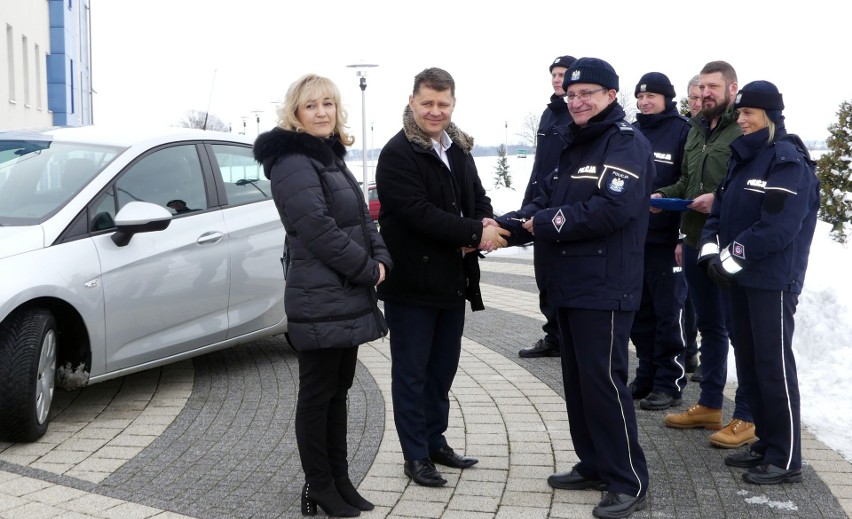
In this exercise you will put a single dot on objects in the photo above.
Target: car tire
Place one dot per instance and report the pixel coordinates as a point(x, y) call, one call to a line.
point(27, 374)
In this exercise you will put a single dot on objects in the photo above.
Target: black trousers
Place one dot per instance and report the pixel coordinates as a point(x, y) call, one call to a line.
point(325, 377)
point(766, 367)
point(601, 415)
point(658, 332)
point(425, 346)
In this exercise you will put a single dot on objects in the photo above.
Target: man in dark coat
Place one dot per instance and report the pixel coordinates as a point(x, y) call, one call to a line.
point(658, 330)
point(434, 217)
point(589, 228)
point(548, 146)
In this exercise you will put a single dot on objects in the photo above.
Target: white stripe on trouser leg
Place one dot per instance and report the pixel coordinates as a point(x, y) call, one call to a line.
point(787, 390)
point(680, 382)
point(618, 399)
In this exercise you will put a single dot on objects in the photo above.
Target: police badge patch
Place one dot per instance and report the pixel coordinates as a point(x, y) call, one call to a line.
point(738, 250)
point(558, 220)
point(617, 180)
point(616, 185)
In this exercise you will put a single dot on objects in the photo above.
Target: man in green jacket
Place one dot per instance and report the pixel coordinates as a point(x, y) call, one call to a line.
point(705, 164)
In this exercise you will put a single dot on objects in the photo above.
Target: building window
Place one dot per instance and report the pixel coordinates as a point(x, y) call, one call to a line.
point(38, 63)
point(10, 57)
point(73, 91)
point(25, 56)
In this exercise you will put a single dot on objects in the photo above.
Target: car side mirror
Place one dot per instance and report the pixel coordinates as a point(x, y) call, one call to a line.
point(136, 217)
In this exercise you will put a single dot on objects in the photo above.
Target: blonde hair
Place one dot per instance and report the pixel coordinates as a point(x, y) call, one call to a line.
point(313, 87)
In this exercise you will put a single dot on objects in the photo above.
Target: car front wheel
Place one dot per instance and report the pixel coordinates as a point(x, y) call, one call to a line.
point(27, 374)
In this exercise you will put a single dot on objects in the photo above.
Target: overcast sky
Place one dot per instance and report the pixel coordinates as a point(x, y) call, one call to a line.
point(155, 60)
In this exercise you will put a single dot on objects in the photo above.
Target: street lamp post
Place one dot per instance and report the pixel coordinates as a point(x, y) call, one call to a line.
point(257, 116)
point(506, 142)
point(361, 72)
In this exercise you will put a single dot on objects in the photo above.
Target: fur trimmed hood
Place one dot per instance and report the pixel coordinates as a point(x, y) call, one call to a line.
point(417, 136)
point(278, 142)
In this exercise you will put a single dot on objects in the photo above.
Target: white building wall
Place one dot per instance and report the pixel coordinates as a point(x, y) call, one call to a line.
point(23, 80)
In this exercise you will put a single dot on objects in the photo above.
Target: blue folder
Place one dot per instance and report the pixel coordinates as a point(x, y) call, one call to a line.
point(671, 204)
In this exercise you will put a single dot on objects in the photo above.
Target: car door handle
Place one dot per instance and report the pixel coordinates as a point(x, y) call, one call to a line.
point(210, 238)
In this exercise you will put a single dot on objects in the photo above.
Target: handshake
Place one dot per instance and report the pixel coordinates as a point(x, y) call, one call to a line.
point(492, 235)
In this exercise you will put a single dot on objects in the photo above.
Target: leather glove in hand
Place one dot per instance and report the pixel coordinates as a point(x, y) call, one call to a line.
point(718, 273)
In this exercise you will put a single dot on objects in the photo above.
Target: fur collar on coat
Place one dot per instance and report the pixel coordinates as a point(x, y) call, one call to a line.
point(278, 142)
point(417, 136)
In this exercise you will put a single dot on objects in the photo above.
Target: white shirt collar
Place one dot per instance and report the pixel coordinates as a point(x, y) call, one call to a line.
point(442, 147)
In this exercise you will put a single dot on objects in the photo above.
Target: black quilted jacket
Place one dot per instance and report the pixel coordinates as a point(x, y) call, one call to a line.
point(333, 247)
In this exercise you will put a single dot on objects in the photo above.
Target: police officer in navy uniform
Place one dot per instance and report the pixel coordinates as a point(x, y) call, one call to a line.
point(589, 228)
point(548, 146)
point(658, 329)
point(755, 244)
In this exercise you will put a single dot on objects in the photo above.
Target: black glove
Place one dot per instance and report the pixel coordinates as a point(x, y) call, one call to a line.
point(718, 274)
point(703, 262)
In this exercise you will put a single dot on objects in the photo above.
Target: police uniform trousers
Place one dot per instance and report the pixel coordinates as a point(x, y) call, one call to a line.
point(712, 314)
point(690, 326)
point(325, 377)
point(658, 328)
point(548, 310)
point(601, 415)
point(763, 325)
point(425, 345)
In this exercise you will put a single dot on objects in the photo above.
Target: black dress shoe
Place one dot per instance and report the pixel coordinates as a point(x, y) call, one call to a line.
point(691, 363)
point(618, 505)
point(638, 391)
point(447, 456)
point(696, 375)
point(423, 473)
point(766, 474)
point(659, 400)
point(541, 348)
point(744, 459)
point(574, 481)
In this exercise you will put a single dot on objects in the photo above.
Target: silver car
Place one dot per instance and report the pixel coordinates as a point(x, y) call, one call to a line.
point(121, 251)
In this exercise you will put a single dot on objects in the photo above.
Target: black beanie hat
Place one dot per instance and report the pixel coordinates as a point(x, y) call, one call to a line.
point(655, 82)
point(761, 94)
point(591, 70)
point(563, 61)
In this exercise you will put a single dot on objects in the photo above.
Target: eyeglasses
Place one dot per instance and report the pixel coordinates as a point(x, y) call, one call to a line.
point(582, 96)
point(693, 98)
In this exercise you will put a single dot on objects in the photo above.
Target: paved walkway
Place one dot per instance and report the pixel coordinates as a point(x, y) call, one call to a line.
point(213, 438)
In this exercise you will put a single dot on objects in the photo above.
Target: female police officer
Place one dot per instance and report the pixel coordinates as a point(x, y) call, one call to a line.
point(756, 243)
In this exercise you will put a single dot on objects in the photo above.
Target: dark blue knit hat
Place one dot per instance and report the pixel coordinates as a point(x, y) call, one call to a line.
point(657, 83)
point(761, 94)
point(562, 61)
point(591, 70)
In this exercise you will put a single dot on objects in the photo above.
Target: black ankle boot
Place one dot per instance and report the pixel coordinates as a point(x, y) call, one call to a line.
point(347, 491)
point(328, 499)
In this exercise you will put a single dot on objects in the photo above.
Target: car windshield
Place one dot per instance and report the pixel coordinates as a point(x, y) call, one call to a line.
point(38, 177)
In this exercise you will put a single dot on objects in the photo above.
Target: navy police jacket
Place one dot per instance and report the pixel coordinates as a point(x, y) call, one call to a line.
point(548, 146)
point(667, 133)
point(765, 211)
point(590, 224)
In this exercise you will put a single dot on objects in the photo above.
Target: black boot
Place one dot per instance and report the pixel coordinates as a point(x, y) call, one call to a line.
point(350, 495)
point(328, 499)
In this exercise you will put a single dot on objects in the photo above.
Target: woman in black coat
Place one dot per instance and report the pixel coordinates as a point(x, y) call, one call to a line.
point(333, 262)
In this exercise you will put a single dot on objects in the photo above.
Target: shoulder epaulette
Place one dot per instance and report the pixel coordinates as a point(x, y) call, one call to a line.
point(786, 151)
point(625, 127)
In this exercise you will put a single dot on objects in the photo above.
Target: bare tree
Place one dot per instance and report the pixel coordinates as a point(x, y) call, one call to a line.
point(199, 119)
point(529, 130)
